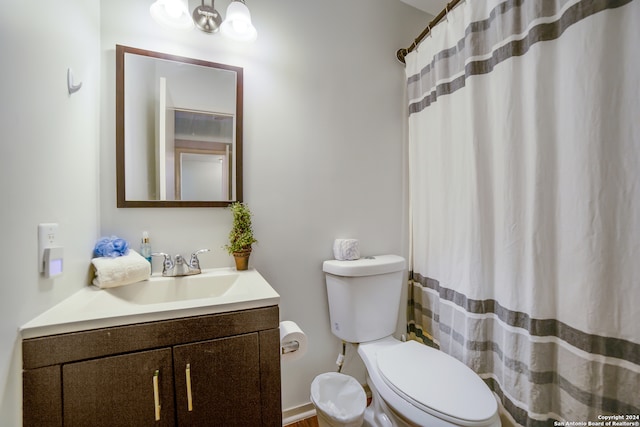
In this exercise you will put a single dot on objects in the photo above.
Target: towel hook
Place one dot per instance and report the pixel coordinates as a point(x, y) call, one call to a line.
point(73, 88)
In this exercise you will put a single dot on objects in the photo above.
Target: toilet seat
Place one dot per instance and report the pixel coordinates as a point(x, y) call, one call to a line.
point(436, 383)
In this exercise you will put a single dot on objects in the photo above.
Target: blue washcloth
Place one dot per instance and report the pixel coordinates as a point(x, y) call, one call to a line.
point(111, 247)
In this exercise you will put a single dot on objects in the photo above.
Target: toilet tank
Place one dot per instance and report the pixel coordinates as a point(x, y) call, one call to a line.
point(364, 296)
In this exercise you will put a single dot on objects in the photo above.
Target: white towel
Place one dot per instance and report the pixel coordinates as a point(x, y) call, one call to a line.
point(119, 271)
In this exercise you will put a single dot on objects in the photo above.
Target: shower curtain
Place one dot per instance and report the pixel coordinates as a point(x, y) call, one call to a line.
point(524, 164)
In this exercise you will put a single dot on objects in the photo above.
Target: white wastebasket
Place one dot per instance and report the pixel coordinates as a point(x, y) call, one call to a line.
point(339, 399)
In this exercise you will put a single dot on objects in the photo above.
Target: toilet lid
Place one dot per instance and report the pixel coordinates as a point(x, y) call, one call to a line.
point(436, 382)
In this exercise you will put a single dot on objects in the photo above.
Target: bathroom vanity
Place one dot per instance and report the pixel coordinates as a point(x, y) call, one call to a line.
point(185, 366)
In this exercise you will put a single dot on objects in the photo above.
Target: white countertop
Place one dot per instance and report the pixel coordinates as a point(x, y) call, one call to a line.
point(158, 298)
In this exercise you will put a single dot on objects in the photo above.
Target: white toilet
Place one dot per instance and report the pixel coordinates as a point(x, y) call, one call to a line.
point(412, 384)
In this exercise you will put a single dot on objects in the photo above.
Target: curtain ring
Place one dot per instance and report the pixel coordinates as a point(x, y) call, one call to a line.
point(429, 27)
point(446, 12)
point(415, 45)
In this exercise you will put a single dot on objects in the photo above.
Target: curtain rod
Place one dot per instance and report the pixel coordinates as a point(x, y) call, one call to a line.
point(401, 53)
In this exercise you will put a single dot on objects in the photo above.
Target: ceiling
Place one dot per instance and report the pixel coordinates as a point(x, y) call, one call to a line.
point(432, 7)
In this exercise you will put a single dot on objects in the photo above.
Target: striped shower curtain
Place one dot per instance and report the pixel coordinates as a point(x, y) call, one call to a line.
point(524, 164)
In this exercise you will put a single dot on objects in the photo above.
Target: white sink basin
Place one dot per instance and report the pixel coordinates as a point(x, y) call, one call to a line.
point(168, 289)
point(216, 290)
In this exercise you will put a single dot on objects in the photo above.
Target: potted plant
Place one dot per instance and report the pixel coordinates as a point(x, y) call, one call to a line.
point(241, 235)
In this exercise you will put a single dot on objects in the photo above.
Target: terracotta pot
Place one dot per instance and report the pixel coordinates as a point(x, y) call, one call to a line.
point(242, 260)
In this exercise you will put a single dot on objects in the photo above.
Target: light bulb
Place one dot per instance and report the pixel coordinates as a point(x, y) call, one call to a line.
point(172, 14)
point(238, 23)
point(239, 26)
point(173, 9)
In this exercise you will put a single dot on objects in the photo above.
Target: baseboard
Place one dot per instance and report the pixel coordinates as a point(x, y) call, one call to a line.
point(298, 413)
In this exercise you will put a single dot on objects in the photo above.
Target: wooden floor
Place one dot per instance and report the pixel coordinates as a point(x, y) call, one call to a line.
point(308, 422)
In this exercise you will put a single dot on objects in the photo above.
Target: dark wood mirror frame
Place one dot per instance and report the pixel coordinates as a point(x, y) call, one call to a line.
point(120, 134)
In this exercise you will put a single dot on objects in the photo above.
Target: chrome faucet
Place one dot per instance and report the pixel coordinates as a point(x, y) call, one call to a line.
point(180, 267)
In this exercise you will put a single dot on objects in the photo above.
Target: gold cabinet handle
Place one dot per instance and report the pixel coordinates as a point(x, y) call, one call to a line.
point(189, 398)
point(156, 394)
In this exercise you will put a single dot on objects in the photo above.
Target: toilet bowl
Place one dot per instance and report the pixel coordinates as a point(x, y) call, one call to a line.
point(411, 384)
point(416, 385)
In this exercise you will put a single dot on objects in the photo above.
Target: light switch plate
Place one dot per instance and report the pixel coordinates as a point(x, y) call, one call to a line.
point(47, 238)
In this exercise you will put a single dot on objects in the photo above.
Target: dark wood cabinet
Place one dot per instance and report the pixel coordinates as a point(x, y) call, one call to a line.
point(213, 370)
point(234, 364)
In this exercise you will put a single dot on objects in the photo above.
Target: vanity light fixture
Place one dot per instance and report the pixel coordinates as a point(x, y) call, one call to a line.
point(172, 13)
point(238, 24)
point(175, 14)
point(207, 18)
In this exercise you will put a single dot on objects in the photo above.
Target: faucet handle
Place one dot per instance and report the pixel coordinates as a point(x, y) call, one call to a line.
point(195, 262)
point(167, 264)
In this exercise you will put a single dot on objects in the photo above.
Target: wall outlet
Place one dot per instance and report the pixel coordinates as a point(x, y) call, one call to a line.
point(47, 238)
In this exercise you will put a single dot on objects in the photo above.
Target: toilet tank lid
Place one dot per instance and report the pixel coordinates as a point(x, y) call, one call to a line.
point(367, 266)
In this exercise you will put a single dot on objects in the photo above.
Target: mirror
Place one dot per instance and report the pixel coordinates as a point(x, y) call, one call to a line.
point(178, 131)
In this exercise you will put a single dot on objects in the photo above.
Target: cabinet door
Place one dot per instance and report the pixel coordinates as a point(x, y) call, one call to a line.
point(218, 382)
point(130, 390)
point(42, 397)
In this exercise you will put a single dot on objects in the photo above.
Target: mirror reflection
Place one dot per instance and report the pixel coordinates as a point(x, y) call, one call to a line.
point(179, 134)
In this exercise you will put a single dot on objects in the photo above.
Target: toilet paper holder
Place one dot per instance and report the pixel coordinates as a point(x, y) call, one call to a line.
point(293, 342)
point(289, 347)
